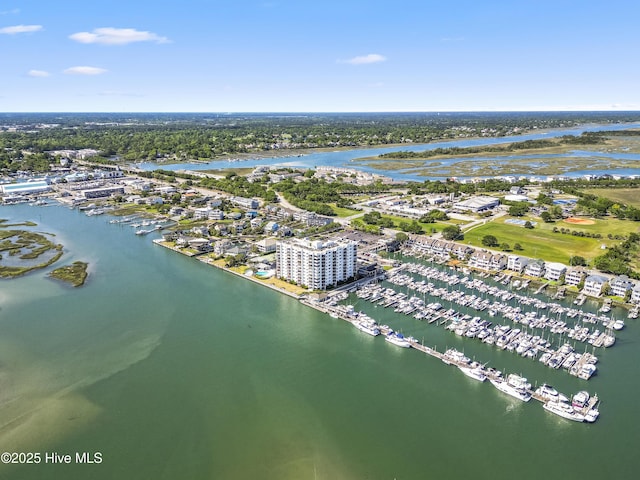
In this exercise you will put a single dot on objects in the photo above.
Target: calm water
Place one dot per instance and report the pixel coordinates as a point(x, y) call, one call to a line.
point(173, 369)
point(343, 158)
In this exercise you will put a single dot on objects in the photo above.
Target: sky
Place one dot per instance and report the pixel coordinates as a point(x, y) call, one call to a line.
point(318, 56)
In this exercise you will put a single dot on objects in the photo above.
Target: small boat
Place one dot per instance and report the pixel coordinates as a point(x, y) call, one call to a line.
point(397, 339)
point(368, 327)
point(477, 372)
point(591, 415)
point(618, 325)
point(580, 399)
point(550, 394)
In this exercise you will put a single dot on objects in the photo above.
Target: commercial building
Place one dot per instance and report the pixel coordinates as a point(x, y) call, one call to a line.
point(316, 264)
point(25, 188)
point(477, 204)
point(102, 192)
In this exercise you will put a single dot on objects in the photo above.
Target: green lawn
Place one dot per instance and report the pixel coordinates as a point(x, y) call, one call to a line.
point(541, 242)
point(428, 228)
point(628, 196)
point(343, 212)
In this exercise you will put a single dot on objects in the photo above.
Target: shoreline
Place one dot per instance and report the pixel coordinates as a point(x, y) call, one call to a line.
point(160, 242)
point(297, 152)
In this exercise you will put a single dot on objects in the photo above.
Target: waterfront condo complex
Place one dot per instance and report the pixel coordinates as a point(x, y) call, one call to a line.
point(316, 264)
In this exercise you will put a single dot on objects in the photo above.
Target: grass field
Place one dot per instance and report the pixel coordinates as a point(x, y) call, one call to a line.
point(542, 243)
point(343, 212)
point(628, 196)
point(428, 228)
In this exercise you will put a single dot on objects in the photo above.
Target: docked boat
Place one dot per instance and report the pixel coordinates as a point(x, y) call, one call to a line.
point(454, 356)
point(368, 327)
point(397, 339)
point(580, 399)
point(514, 385)
point(591, 415)
point(564, 410)
point(477, 372)
point(550, 394)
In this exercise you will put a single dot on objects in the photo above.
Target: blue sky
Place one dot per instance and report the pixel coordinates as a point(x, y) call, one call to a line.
point(328, 56)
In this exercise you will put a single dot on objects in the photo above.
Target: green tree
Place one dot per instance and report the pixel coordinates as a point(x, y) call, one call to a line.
point(555, 211)
point(528, 224)
point(452, 232)
point(577, 260)
point(402, 237)
point(489, 241)
point(519, 209)
point(517, 246)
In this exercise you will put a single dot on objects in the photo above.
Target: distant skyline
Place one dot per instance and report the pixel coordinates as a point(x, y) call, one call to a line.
point(330, 56)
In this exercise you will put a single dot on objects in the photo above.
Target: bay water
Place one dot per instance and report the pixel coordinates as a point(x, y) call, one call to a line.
point(170, 368)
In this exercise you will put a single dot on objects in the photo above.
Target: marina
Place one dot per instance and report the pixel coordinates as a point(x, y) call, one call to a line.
point(549, 333)
point(584, 408)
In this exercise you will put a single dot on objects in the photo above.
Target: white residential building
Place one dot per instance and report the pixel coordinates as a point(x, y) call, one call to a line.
point(635, 295)
point(593, 285)
point(216, 215)
point(481, 260)
point(516, 263)
point(554, 271)
point(575, 275)
point(201, 213)
point(620, 285)
point(316, 264)
point(266, 245)
point(535, 268)
point(245, 202)
point(498, 262)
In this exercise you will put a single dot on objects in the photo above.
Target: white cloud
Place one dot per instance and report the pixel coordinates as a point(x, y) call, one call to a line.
point(84, 71)
point(116, 93)
point(117, 36)
point(365, 59)
point(20, 29)
point(38, 73)
point(13, 11)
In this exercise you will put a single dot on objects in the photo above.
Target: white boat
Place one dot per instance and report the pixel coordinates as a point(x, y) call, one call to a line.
point(368, 327)
point(454, 356)
point(550, 394)
point(477, 373)
point(592, 415)
point(580, 399)
point(397, 339)
point(564, 410)
point(618, 325)
point(514, 385)
point(586, 371)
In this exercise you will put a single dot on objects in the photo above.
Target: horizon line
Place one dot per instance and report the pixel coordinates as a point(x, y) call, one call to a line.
point(227, 112)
